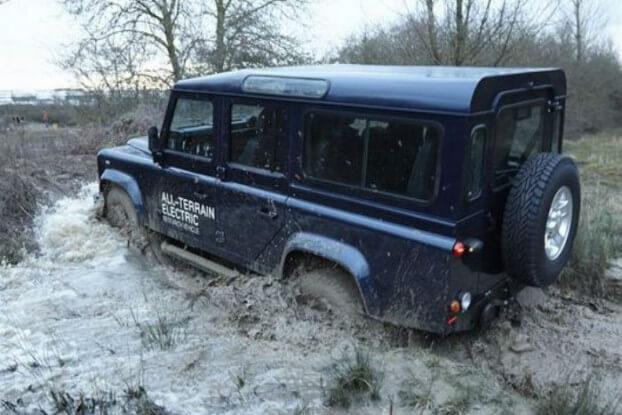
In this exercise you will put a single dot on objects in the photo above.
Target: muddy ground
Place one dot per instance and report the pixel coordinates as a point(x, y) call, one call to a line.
point(87, 323)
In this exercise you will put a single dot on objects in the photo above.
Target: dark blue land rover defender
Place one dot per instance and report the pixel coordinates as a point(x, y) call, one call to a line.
point(426, 196)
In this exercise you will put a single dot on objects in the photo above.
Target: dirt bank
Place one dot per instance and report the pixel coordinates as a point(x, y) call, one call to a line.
point(87, 318)
point(37, 167)
point(28, 184)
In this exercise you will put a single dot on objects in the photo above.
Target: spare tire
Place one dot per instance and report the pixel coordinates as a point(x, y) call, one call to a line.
point(540, 219)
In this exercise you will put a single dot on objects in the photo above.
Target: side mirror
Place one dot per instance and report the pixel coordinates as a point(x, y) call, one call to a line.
point(155, 144)
point(154, 140)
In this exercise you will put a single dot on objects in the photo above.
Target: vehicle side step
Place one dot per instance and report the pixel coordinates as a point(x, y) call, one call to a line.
point(198, 261)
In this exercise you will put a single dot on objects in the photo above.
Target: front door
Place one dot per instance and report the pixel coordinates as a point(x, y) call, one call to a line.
point(253, 195)
point(187, 189)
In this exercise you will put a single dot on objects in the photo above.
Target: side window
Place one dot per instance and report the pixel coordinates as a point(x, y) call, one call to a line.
point(394, 157)
point(257, 136)
point(334, 147)
point(476, 163)
point(519, 134)
point(191, 129)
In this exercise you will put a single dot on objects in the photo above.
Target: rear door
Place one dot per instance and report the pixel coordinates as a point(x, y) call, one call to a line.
point(523, 127)
point(252, 201)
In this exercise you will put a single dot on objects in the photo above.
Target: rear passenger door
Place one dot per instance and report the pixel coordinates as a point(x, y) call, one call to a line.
point(187, 191)
point(252, 204)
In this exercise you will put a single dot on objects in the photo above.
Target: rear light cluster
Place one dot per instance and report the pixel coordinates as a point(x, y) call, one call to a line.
point(463, 302)
point(458, 306)
point(469, 246)
point(459, 249)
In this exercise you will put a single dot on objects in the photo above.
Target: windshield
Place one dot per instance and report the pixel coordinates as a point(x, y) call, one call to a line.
point(192, 113)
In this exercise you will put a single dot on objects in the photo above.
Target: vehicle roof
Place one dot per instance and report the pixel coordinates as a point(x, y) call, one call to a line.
point(426, 88)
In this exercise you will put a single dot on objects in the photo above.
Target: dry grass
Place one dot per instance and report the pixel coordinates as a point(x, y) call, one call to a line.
point(353, 377)
point(599, 238)
point(599, 159)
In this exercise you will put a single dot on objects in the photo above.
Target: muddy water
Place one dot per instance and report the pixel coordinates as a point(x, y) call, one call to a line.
point(76, 318)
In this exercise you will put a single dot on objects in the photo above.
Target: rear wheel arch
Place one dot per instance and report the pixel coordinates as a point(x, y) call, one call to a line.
point(299, 261)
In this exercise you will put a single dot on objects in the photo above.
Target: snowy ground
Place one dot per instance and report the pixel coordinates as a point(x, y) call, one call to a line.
point(88, 316)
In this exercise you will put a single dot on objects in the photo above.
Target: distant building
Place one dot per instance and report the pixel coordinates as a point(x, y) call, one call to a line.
point(60, 96)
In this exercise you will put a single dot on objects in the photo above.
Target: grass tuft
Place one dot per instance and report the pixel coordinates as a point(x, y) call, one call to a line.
point(353, 377)
point(457, 405)
point(101, 403)
point(164, 333)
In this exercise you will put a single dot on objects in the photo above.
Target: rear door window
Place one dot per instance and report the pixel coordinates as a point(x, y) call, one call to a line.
point(258, 134)
point(519, 134)
point(388, 156)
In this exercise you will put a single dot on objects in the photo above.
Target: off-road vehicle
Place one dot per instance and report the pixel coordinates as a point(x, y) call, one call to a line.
point(427, 196)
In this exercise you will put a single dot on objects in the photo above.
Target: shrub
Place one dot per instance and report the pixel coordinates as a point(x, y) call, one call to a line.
point(18, 203)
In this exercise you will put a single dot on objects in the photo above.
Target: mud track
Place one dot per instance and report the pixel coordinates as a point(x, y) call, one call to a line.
point(85, 315)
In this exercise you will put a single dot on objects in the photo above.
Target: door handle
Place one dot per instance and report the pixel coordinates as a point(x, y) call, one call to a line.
point(269, 211)
point(201, 196)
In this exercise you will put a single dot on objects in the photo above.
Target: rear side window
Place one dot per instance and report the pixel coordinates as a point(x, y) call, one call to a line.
point(257, 136)
point(519, 134)
point(476, 163)
point(191, 129)
point(388, 156)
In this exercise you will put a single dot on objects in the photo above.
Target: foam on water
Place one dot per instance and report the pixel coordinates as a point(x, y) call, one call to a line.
point(69, 232)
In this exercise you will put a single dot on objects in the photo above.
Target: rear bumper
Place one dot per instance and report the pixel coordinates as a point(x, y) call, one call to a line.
point(498, 296)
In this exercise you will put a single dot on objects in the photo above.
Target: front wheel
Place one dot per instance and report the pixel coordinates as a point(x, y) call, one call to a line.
point(540, 219)
point(120, 213)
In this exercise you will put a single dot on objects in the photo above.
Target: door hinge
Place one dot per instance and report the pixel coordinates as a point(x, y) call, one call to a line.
point(555, 106)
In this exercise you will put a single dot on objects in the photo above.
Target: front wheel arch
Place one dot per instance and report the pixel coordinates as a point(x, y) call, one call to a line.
point(116, 178)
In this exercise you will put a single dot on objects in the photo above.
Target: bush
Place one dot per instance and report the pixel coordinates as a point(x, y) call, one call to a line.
point(91, 138)
point(18, 203)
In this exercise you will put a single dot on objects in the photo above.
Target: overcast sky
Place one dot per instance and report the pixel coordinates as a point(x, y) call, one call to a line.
point(32, 32)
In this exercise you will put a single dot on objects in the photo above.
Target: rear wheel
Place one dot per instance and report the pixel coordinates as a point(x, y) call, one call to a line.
point(331, 287)
point(540, 219)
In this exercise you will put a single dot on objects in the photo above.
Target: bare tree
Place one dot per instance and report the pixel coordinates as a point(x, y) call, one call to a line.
point(583, 18)
point(162, 41)
point(461, 32)
point(250, 33)
point(161, 27)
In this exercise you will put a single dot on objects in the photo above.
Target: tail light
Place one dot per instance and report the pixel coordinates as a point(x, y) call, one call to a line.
point(459, 249)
